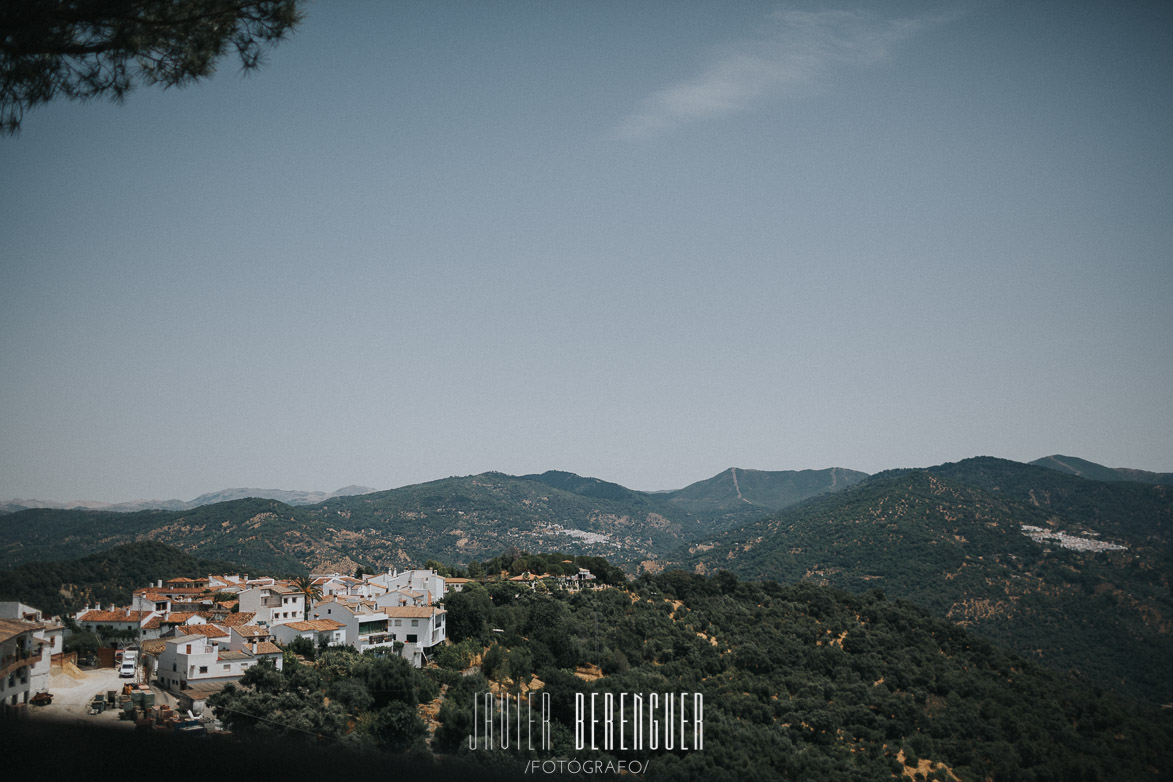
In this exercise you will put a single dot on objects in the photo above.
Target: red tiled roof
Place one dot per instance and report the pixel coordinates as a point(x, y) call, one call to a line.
point(120, 615)
point(318, 625)
point(179, 617)
point(411, 612)
point(155, 647)
point(209, 630)
point(10, 628)
point(238, 619)
point(148, 594)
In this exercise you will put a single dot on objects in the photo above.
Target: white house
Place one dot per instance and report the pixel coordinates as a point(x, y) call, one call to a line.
point(367, 626)
point(419, 628)
point(336, 584)
point(428, 582)
point(116, 619)
point(25, 658)
point(54, 631)
point(402, 597)
point(456, 584)
point(364, 625)
point(274, 604)
point(190, 659)
point(576, 581)
point(316, 631)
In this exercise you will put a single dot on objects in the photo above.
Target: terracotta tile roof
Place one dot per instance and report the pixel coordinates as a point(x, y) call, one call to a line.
point(209, 630)
point(317, 625)
point(238, 619)
point(10, 628)
point(457, 580)
point(180, 580)
point(120, 615)
point(150, 595)
point(252, 631)
point(179, 617)
point(268, 647)
point(154, 646)
point(412, 612)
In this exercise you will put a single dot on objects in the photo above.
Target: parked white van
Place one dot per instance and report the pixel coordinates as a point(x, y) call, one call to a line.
point(128, 662)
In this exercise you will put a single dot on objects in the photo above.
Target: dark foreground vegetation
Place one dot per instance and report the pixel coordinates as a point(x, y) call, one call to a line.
point(799, 682)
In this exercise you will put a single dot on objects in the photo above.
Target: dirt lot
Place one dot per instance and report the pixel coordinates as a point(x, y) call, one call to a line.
point(74, 689)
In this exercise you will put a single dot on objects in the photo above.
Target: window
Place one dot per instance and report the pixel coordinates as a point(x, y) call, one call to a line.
point(412, 638)
point(203, 669)
point(415, 623)
point(227, 666)
point(399, 623)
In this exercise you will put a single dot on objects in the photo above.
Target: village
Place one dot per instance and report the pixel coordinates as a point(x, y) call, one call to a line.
point(182, 640)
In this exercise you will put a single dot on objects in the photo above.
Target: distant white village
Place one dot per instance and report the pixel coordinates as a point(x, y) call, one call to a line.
point(1063, 540)
point(192, 636)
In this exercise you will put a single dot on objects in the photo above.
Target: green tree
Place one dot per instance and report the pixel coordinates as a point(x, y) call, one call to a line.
point(468, 612)
point(396, 726)
point(307, 587)
point(85, 49)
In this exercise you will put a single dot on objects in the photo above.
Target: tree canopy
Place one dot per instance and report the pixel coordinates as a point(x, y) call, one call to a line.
point(85, 49)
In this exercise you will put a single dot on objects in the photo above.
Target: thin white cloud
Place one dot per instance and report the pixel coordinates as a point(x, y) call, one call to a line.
point(797, 49)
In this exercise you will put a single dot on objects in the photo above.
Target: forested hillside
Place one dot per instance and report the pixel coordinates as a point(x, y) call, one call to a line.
point(799, 682)
point(1088, 590)
point(107, 577)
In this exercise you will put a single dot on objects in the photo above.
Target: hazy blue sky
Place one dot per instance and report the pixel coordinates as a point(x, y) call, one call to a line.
point(643, 241)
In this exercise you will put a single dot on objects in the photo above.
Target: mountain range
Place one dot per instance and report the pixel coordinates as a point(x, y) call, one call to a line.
point(210, 498)
point(453, 519)
point(1067, 570)
point(1043, 558)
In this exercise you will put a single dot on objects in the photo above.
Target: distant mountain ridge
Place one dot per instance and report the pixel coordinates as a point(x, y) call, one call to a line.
point(1073, 465)
point(453, 519)
point(289, 497)
point(735, 488)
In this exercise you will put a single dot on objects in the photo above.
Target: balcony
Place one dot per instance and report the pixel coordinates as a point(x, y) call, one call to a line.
point(11, 663)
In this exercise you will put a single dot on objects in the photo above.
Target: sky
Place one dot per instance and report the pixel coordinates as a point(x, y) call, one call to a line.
point(640, 241)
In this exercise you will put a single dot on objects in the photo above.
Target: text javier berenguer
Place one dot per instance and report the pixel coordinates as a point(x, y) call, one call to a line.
point(608, 721)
